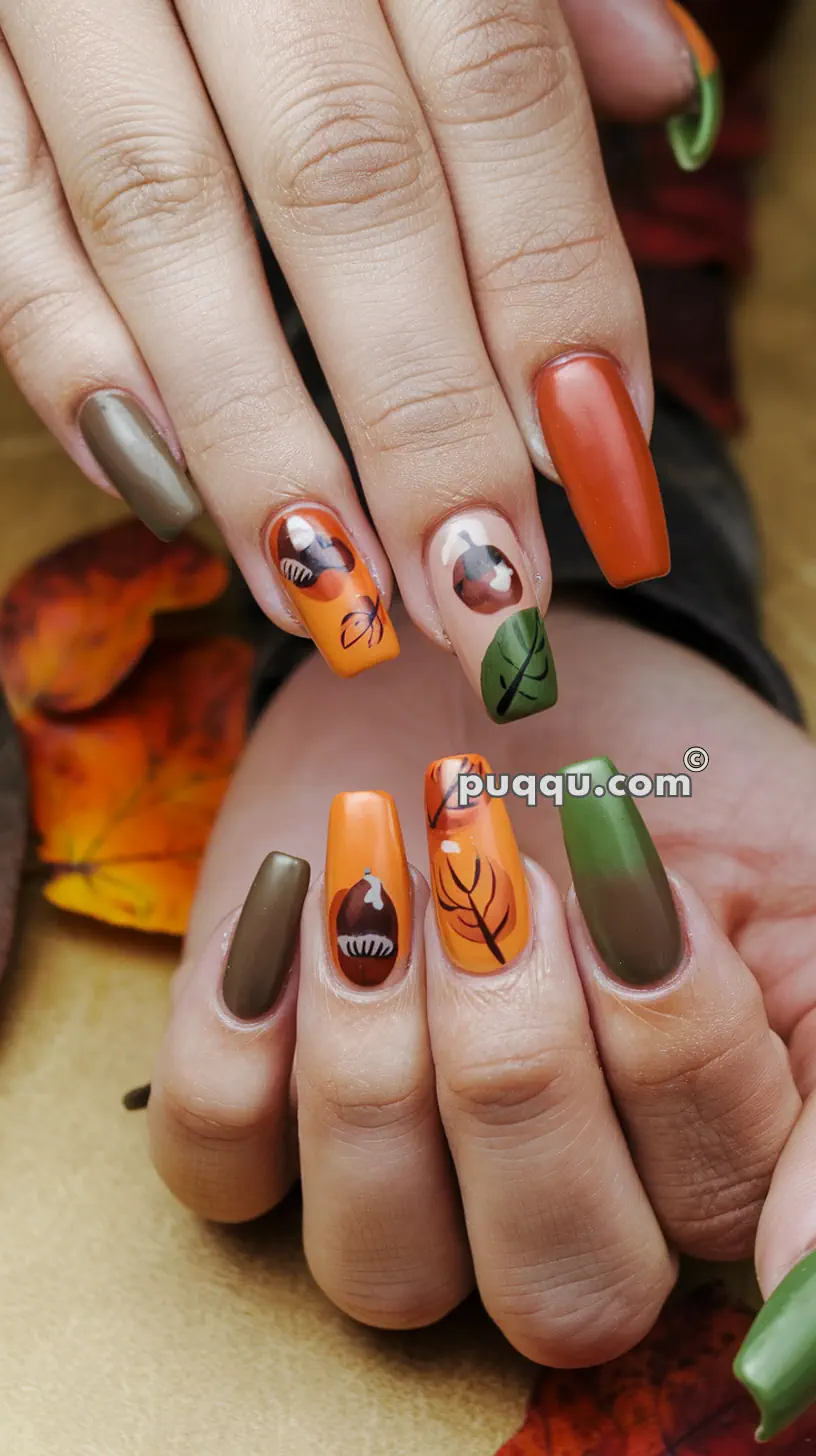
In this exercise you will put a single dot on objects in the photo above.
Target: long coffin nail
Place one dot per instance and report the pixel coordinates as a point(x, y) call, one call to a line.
point(491, 616)
point(137, 460)
point(368, 888)
point(777, 1360)
point(477, 877)
point(602, 456)
point(265, 937)
point(619, 880)
point(693, 134)
point(331, 590)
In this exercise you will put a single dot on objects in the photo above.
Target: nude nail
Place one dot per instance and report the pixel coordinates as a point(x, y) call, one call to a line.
point(490, 613)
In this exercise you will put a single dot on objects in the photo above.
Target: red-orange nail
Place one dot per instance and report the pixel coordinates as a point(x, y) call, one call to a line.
point(599, 449)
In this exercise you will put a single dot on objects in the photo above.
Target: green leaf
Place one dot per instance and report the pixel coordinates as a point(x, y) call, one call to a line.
point(518, 672)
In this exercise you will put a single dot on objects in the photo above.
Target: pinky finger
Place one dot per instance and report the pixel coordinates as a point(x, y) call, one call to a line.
point(65, 344)
point(219, 1116)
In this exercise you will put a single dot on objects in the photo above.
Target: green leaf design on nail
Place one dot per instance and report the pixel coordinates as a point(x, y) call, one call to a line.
point(518, 673)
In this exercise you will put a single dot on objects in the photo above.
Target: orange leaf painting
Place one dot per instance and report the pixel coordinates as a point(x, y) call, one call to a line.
point(124, 796)
point(75, 624)
point(673, 1395)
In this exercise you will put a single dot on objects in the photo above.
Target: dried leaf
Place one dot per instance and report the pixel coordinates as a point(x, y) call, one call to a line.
point(13, 826)
point(364, 621)
point(75, 624)
point(124, 796)
point(674, 1395)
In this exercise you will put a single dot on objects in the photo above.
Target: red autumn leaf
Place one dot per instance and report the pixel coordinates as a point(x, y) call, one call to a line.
point(674, 1395)
point(75, 623)
point(124, 796)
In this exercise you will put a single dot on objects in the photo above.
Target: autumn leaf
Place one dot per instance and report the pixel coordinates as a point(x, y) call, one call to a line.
point(75, 623)
point(364, 621)
point(673, 1395)
point(13, 826)
point(124, 796)
point(517, 669)
point(477, 895)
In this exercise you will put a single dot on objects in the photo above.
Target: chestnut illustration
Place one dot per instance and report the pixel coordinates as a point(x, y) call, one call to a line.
point(312, 560)
point(367, 932)
point(484, 579)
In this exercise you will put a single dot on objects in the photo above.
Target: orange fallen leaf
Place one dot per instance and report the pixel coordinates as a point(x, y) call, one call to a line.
point(124, 796)
point(75, 623)
point(674, 1395)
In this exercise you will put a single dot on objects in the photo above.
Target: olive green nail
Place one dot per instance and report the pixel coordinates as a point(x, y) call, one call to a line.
point(138, 461)
point(693, 134)
point(619, 880)
point(265, 937)
point(777, 1359)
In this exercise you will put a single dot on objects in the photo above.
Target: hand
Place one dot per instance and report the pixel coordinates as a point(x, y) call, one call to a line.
point(429, 179)
point(596, 1127)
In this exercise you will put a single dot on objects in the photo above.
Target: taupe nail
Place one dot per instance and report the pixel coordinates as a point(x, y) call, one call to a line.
point(265, 937)
point(137, 460)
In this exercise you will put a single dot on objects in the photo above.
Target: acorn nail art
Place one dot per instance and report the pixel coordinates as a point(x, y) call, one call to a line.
point(477, 877)
point(368, 888)
point(331, 590)
point(693, 135)
point(491, 616)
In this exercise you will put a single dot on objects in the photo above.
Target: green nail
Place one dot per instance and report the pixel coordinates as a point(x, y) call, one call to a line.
point(620, 882)
point(692, 136)
point(518, 672)
point(777, 1359)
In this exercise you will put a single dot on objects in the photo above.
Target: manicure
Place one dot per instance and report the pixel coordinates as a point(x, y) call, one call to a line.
point(263, 945)
point(693, 135)
point(599, 449)
point(331, 590)
point(777, 1360)
point(477, 877)
point(368, 888)
point(620, 883)
point(138, 461)
point(489, 611)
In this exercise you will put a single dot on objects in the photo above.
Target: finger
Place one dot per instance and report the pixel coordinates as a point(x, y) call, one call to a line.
point(354, 200)
point(777, 1361)
point(635, 57)
point(382, 1224)
point(553, 283)
point(219, 1113)
point(569, 1258)
point(61, 338)
point(703, 1086)
point(159, 208)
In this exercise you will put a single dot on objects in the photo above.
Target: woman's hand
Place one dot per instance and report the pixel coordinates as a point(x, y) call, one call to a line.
point(610, 1097)
point(428, 176)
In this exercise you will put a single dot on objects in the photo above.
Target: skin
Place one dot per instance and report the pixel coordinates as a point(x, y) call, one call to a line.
point(430, 182)
point(712, 1072)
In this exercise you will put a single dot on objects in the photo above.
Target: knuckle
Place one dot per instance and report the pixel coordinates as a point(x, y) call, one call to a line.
point(569, 251)
point(205, 1120)
point(47, 311)
point(400, 1305)
point(237, 419)
point(719, 1220)
point(430, 414)
point(499, 65)
point(344, 1106)
point(352, 149)
point(26, 166)
point(516, 1089)
point(583, 1321)
point(138, 190)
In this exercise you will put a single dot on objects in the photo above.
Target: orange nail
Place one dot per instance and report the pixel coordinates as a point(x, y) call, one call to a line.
point(477, 878)
point(331, 590)
point(602, 456)
point(368, 888)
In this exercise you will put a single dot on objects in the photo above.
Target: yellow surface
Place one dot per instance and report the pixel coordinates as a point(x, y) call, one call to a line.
point(127, 1329)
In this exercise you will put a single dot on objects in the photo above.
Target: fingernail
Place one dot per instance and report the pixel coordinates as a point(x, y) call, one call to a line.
point(477, 877)
point(602, 456)
point(489, 611)
point(693, 134)
point(263, 945)
point(619, 880)
point(138, 461)
point(331, 590)
point(368, 888)
point(137, 1099)
point(777, 1359)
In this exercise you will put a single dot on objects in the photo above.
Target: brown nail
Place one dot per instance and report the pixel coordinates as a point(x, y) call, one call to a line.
point(138, 462)
point(265, 937)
